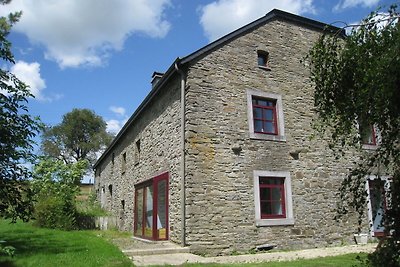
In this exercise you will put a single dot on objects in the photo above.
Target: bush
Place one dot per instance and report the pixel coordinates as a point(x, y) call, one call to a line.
point(56, 185)
point(52, 211)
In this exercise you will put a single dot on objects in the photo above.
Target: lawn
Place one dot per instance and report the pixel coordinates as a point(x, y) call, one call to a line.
point(45, 247)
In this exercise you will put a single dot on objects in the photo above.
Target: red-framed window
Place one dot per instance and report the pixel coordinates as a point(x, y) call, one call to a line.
point(264, 116)
point(378, 202)
point(272, 197)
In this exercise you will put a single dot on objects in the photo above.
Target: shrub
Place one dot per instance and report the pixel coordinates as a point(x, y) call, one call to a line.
point(53, 211)
point(56, 185)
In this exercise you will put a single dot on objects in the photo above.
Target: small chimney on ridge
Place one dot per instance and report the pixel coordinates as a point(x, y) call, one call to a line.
point(155, 78)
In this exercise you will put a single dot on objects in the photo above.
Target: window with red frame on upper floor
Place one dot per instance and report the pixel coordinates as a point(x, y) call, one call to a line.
point(264, 116)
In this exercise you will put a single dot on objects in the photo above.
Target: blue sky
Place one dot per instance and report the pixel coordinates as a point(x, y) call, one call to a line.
point(100, 54)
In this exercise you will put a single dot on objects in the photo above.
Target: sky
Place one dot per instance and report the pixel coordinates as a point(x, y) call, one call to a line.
point(100, 54)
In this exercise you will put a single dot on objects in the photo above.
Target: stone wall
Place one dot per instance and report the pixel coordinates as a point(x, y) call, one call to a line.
point(158, 129)
point(221, 157)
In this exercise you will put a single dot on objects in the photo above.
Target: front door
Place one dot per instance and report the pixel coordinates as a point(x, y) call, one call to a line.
point(151, 208)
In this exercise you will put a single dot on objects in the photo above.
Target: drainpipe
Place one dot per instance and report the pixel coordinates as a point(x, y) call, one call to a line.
point(183, 193)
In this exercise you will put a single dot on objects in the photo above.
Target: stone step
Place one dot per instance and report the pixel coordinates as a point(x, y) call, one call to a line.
point(156, 251)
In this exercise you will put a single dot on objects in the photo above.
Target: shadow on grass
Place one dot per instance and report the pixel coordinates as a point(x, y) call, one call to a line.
point(31, 240)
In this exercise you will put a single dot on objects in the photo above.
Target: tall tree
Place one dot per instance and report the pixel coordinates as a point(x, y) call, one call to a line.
point(357, 85)
point(17, 130)
point(80, 135)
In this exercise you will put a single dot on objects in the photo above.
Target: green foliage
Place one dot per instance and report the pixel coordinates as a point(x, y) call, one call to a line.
point(79, 136)
point(56, 185)
point(17, 130)
point(7, 250)
point(50, 247)
point(90, 207)
point(357, 83)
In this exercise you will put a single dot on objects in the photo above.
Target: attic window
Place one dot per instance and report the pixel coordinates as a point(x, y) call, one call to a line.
point(263, 60)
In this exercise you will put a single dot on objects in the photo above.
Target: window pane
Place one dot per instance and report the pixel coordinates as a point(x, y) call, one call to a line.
point(276, 194)
point(266, 208)
point(265, 194)
point(377, 198)
point(162, 209)
point(257, 113)
point(271, 180)
point(262, 102)
point(268, 114)
point(148, 231)
point(269, 127)
point(276, 208)
point(258, 126)
point(261, 60)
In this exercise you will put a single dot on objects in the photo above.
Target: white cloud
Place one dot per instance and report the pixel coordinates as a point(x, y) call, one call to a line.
point(118, 110)
point(114, 126)
point(29, 73)
point(77, 33)
point(343, 4)
point(223, 16)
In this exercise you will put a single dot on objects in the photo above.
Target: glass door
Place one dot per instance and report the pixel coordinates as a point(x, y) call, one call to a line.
point(151, 208)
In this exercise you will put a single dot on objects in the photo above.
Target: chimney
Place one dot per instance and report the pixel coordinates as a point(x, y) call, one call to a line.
point(155, 78)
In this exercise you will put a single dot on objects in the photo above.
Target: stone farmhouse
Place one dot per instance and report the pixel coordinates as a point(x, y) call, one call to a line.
point(219, 155)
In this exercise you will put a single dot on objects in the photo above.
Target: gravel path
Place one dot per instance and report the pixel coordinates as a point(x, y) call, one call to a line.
point(181, 258)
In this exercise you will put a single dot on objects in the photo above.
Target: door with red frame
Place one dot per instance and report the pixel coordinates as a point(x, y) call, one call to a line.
point(377, 198)
point(151, 208)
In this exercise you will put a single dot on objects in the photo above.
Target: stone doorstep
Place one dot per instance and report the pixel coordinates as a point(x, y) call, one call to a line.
point(148, 247)
point(156, 251)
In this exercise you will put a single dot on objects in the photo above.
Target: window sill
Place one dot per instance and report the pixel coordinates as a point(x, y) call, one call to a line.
point(264, 68)
point(274, 222)
point(369, 147)
point(270, 137)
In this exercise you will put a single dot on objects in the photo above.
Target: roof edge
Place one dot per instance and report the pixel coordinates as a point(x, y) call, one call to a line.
point(275, 13)
point(165, 78)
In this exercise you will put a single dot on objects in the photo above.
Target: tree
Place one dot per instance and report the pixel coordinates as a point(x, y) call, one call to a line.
point(17, 130)
point(55, 185)
point(80, 135)
point(357, 84)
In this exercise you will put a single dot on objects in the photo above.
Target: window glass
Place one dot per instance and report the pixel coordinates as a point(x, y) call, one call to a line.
point(257, 113)
point(272, 200)
point(268, 114)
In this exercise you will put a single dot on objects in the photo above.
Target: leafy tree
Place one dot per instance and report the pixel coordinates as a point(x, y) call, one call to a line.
point(56, 185)
point(80, 135)
point(357, 84)
point(17, 130)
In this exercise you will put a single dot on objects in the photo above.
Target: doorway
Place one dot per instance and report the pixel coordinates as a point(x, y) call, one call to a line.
point(151, 208)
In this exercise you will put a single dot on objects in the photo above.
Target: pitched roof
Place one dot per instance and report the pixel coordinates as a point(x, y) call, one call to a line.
point(270, 16)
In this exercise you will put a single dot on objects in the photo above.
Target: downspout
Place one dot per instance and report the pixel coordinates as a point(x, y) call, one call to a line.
point(182, 148)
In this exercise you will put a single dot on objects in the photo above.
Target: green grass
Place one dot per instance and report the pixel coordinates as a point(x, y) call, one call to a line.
point(46, 247)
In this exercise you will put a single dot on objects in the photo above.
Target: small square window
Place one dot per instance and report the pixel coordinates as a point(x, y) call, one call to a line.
point(265, 116)
point(263, 60)
point(273, 198)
